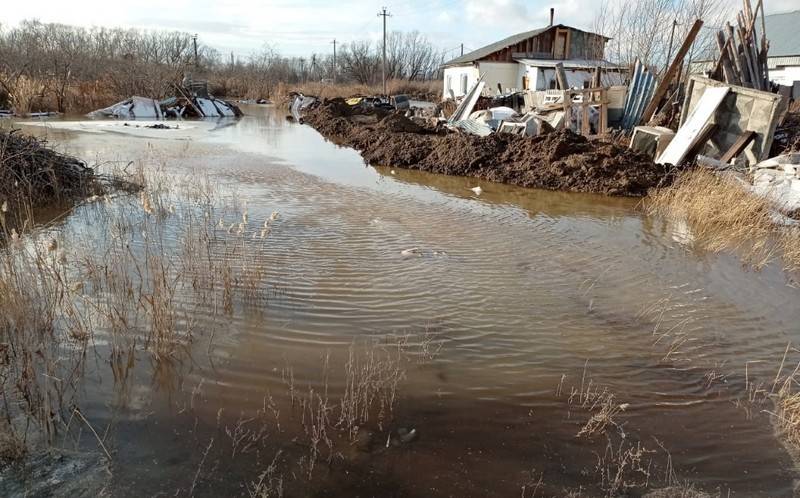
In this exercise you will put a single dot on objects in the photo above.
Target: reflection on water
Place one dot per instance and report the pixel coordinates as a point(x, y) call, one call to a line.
point(527, 297)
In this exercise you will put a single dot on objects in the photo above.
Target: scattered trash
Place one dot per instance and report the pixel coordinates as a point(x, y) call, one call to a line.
point(470, 99)
point(192, 100)
point(478, 190)
point(778, 179)
point(132, 108)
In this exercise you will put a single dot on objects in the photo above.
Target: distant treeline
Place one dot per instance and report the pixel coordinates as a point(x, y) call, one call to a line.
point(64, 68)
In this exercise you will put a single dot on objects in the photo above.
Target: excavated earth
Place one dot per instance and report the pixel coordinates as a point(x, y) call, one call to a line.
point(559, 160)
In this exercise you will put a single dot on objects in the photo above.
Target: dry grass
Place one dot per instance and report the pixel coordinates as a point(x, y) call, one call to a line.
point(723, 216)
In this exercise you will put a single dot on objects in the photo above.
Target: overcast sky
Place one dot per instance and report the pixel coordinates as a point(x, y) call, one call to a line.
point(302, 27)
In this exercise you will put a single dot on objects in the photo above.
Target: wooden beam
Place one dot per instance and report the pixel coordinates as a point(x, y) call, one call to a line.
point(729, 76)
point(734, 55)
point(702, 140)
point(738, 146)
point(677, 63)
point(561, 77)
point(764, 46)
point(603, 128)
point(596, 77)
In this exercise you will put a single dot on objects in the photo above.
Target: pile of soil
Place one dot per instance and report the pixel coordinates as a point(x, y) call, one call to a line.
point(557, 161)
point(34, 175)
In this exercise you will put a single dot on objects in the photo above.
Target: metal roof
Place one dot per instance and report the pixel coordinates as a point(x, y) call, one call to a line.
point(504, 43)
point(782, 34)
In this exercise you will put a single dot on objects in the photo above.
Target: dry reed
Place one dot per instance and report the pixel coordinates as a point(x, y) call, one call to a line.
point(724, 216)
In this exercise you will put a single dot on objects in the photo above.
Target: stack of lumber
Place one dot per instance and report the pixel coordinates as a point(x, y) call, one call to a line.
point(743, 57)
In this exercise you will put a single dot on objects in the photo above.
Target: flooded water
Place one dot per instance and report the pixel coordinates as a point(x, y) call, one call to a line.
point(507, 304)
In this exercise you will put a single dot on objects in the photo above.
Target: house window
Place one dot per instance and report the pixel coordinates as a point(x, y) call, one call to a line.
point(449, 85)
point(464, 83)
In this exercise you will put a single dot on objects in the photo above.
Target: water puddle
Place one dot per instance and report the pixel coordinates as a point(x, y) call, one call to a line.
point(391, 333)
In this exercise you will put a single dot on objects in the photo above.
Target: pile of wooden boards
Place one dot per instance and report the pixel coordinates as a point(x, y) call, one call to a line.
point(743, 58)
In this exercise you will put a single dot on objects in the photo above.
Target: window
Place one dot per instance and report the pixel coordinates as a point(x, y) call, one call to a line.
point(449, 82)
point(464, 83)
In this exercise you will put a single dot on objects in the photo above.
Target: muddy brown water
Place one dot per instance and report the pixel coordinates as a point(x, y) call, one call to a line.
point(527, 293)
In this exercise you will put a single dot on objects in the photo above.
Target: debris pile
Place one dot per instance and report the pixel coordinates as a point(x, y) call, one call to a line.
point(33, 174)
point(778, 180)
point(192, 100)
point(560, 160)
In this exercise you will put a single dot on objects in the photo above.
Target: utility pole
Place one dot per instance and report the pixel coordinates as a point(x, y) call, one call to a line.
point(384, 13)
point(334, 60)
point(196, 61)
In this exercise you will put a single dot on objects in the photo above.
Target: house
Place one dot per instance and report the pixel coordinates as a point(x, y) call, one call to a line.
point(526, 61)
point(783, 57)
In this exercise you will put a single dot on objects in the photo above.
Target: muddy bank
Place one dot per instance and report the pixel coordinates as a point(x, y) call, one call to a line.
point(556, 161)
point(34, 175)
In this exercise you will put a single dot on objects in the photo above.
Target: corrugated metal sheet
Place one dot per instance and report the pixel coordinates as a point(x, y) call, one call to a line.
point(474, 127)
point(782, 33)
point(775, 62)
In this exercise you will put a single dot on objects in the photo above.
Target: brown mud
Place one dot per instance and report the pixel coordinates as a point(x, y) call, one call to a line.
point(559, 160)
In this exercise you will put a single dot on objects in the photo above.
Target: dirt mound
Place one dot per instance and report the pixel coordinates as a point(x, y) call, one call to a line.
point(32, 174)
point(557, 161)
point(398, 123)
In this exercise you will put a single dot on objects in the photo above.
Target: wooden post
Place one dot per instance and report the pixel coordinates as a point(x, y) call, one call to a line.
point(727, 70)
point(733, 54)
point(603, 127)
point(764, 46)
point(567, 108)
point(561, 77)
point(585, 129)
point(673, 69)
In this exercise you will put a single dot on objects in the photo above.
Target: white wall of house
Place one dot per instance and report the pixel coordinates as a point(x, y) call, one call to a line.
point(785, 75)
point(504, 73)
point(459, 79)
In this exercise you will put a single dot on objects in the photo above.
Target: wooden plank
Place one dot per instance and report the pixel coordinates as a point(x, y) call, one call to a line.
point(764, 45)
point(751, 70)
point(191, 102)
point(743, 141)
point(692, 129)
point(677, 63)
point(701, 140)
point(561, 77)
point(603, 127)
point(585, 114)
point(733, 54)
point(727, 69)
point(596, 77)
